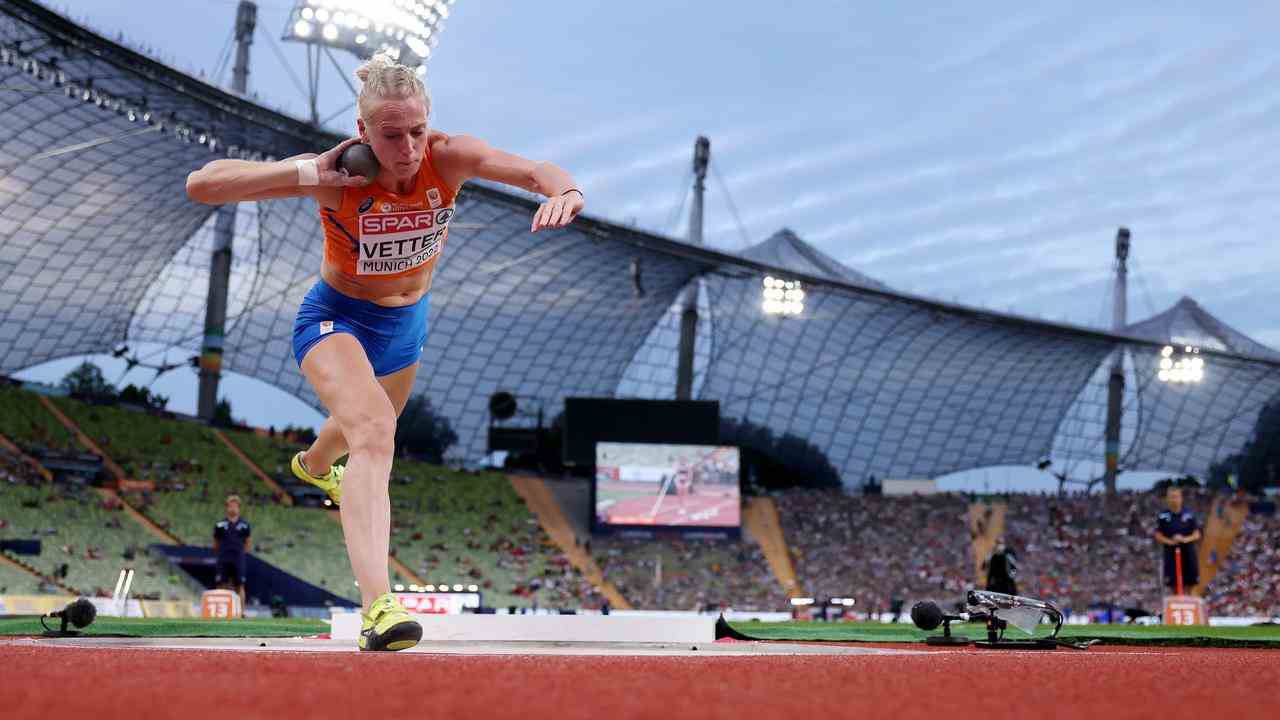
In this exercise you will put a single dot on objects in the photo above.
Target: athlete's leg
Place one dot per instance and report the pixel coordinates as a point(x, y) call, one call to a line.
point(330, 443)
point(341, 375)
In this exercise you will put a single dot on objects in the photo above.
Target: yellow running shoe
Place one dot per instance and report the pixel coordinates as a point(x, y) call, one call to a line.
point(330, 482)
point(388, 627)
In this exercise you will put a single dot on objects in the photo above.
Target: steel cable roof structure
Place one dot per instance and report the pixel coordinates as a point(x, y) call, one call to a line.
point(103, 247)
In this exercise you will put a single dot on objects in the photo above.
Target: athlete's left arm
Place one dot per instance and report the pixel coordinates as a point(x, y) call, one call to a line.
point(471, 157)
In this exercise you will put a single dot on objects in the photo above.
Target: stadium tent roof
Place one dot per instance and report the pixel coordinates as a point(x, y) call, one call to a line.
point(1187, 323)
point(102, 247)
point(784, 249)
point(1187, 428)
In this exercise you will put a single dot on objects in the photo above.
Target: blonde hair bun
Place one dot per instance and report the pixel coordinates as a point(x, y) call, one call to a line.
point(382, 77)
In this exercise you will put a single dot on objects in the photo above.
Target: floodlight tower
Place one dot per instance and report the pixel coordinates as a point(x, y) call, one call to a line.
point(1115, 385)
point(407, 29)
point(215, 310)
point(689, 306)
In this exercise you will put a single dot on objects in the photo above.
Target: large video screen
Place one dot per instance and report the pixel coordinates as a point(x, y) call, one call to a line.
point(667, 485)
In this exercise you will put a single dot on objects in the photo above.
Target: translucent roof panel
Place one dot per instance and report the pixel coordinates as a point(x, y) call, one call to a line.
point(1186, 427)
point(544, 316)
point(96, 142)
point(894, 388)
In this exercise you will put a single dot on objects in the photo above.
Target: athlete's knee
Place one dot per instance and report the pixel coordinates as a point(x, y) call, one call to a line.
point(373, 432)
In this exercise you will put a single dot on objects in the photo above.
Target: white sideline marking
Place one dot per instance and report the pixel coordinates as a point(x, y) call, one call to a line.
point(547, 628)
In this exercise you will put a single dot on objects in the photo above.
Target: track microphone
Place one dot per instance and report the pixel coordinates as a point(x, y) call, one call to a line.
point(79, 613)
point(926, 615)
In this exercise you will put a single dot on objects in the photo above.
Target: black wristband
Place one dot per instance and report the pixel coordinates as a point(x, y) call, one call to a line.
point(566, 192)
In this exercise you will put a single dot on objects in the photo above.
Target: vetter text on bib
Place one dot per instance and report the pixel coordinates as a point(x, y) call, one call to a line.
point(399, 241)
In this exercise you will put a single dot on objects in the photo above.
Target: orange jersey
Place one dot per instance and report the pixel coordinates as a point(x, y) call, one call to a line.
point(376, 232)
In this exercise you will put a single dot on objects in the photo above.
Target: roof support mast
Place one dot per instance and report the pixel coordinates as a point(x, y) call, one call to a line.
point(1115, 385)
point(215, 316)
point(689, 301)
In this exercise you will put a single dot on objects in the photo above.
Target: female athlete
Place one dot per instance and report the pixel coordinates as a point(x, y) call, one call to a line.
point(360, 331)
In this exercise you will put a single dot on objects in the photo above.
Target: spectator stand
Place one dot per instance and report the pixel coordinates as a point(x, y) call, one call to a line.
point(8, 446)
point(122, 480)
point(17, 579)
point(885, 552)
point(986, 526)
point(283, 497)
point(1248, 581)
point(760, 520)
point(84, 439)
point(542, 502)
point(1222, 525)
point(83, 543)
point(28, 423)
point(1081, 549)
point(258, 451)
point(177, 475)
point(455, 526)
point(689, 574)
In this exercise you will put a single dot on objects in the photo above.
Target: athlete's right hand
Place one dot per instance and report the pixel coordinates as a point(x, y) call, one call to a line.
point(330, 174)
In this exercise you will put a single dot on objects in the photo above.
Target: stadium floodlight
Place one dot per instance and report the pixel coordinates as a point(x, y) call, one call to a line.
point(781, 297)
point(430, 588)
point(399, 587)
point(473, 588)
point(801, 601)
point(407, 29)
point(845, 601)
point(1181, 364)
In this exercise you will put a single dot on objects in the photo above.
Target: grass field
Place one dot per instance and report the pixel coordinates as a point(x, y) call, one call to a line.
point(177, 628)
point(1196, 636)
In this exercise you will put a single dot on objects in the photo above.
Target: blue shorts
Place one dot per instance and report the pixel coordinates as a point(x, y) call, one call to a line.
point(392, 337)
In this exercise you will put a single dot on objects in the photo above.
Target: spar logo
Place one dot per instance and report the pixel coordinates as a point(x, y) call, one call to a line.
point(396, 242)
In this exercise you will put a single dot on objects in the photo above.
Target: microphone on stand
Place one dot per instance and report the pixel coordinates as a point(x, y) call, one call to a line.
point(79, 613)
point(927, 615)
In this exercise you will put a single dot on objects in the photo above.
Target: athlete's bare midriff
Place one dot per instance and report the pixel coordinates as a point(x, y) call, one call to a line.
point(390, 292)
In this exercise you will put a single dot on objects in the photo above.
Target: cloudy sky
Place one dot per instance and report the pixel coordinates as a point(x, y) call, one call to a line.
point(983, 154)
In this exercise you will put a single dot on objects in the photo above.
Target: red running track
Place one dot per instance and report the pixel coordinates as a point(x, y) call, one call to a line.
point(701, 510)
point(63, 682)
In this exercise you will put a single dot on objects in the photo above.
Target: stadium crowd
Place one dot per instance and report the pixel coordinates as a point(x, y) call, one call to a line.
point(689, 574)
point(1248, 583)
point(497, 547)
point(883, 551)
point(1080, 549)
point(15, 471)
